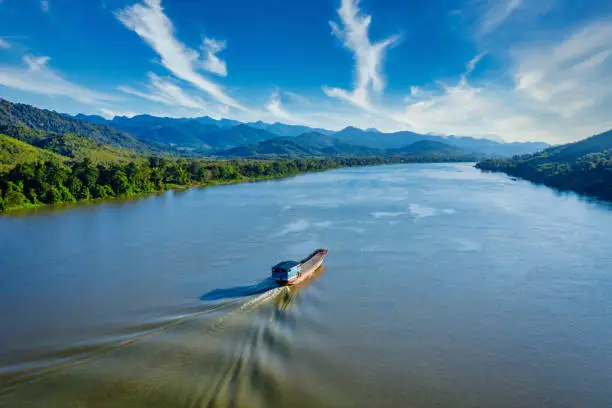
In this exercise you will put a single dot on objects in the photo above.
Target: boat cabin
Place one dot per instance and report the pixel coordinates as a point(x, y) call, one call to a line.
point(285, 271)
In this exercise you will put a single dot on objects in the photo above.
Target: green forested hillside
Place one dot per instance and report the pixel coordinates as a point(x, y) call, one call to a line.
point(584, 166)
point(68, 144)
point(15, 114)
point(23, 133)
point(13, 152)
point(77, 147)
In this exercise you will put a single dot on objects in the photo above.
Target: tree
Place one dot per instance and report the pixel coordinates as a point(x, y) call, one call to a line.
point(14, 196)
point(54, 174)
point(86, 172)
point(120, 182)
point(52, 195)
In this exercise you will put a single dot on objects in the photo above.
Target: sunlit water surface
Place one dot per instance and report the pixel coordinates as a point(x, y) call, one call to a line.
point(444, 287)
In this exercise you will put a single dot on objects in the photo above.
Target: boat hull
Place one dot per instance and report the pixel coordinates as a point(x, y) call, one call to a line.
point(308, 267)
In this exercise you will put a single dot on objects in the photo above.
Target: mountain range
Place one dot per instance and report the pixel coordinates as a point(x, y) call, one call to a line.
point(82, 135)
point(314, 144)
point(212, 135)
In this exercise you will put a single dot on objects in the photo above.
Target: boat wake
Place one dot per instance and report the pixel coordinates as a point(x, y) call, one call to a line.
point(240, 291)
point(222, 307)
point(254, 363)
point(232, 350)
point(255, 371)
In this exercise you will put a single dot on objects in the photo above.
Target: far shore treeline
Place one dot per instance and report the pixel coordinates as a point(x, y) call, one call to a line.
point(584, 167)
point(50, 182)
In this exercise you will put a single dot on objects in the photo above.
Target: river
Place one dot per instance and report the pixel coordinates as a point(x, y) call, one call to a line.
point(443, 287)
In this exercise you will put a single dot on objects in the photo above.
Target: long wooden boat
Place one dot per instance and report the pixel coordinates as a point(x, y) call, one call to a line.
point(291, 272)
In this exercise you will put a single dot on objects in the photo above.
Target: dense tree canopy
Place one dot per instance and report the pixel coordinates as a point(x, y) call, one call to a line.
point(570, 167)
point(50, 182)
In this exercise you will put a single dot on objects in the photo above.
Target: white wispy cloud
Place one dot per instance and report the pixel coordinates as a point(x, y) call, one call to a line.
point(275, 107)
point(555, 89)
point(466, 110)
point(471, 65)
point(212, 63)
point(166, 92)
point(44, 5)
point(36, 63)
point(557, 94)
point(297, 98)
point(148, 20)
point(35, 76)
point(368, 56)
point(571, 76)
point(498, 11)
point(415, 91)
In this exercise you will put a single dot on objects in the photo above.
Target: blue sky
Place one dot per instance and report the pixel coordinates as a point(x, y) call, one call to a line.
point(519, 69)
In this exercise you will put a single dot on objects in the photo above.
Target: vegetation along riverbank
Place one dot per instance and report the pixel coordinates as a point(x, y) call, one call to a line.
point(584, 167)
point(50, 182)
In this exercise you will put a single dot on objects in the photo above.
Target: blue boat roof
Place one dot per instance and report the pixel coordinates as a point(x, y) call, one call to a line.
point(286, 264)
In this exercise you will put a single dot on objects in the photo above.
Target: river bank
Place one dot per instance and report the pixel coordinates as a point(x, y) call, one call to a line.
point(38, 185)
point(138, 196)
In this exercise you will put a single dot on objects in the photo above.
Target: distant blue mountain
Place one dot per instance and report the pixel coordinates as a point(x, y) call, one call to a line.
point(98, 120)
point(221, 123)
point(211, 134)
point(236, 136)
point(315, 144)
point(396, 140)
point(203, 132)
point(170, 131)
point(282, 129)
point(310, 144)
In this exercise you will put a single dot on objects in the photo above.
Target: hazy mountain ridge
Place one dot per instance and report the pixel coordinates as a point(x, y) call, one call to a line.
point(225, 134)
point(380, 140)
point(146, 134)
point(283, 129)
point(310, 144)
point(315, 144)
